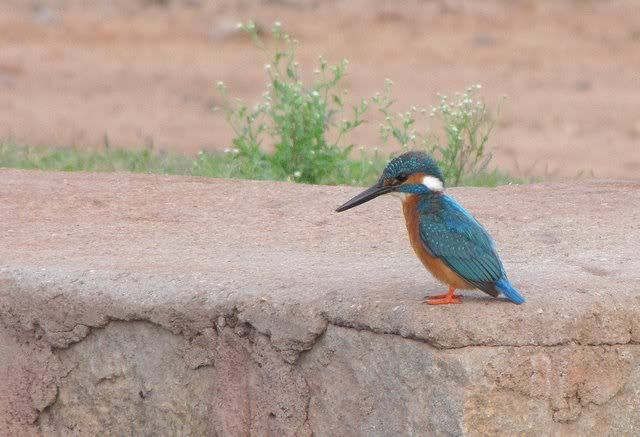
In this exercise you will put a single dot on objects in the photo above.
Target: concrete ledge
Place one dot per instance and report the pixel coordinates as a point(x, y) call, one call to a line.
point(134, 304)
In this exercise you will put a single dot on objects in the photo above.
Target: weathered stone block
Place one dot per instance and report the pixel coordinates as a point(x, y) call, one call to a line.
point(144, 305)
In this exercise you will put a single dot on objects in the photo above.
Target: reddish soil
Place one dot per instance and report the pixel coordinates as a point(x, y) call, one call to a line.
point(142, 71)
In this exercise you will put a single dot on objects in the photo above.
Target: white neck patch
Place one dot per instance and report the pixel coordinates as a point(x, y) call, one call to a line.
point(433, 183)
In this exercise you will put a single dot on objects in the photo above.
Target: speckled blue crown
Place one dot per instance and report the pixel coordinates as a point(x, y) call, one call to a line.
point(412, 162)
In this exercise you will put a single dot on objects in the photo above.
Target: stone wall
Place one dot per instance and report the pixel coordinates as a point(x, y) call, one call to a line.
point(144, 305)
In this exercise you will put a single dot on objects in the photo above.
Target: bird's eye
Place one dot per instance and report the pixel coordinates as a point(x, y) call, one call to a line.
point(401, 178)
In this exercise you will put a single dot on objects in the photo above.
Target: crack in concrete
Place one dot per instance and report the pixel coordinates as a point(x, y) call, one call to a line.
point(47, 407)
point(366, 328)
point(231, 319)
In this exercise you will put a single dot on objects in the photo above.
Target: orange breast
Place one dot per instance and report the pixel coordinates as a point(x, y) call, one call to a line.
point(436, 266)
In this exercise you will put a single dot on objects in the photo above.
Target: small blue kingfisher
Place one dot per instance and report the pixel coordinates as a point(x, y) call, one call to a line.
point(449, 241)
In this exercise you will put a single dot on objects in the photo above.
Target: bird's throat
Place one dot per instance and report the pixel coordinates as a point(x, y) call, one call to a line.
point(399, 195)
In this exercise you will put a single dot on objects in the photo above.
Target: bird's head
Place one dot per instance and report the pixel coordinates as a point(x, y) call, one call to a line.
point(409, 173)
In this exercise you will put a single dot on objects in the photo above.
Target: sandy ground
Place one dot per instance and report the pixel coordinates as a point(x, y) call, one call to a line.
point(143, 72)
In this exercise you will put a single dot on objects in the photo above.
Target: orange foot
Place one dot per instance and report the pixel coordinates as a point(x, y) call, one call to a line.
point(443, 299)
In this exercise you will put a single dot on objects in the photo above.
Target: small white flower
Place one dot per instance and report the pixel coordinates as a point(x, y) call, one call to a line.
point(267, 66)
point(277, 24)
point(297, 174)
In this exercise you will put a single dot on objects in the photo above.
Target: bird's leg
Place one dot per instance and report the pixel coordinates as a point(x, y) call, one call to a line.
point(443, 299)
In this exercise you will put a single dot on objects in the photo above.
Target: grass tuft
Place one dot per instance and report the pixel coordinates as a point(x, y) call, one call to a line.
point(108, 160)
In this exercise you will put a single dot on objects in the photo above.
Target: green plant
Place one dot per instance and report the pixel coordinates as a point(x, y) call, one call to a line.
point(307, 124)
point(459, 143)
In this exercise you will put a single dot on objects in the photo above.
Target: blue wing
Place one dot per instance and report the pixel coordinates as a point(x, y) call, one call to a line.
point(450, 233)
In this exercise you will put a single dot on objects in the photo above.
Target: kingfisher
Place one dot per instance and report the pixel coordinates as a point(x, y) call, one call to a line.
point(449, 241)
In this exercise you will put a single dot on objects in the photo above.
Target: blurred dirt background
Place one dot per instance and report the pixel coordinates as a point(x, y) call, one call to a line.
point(144, 71)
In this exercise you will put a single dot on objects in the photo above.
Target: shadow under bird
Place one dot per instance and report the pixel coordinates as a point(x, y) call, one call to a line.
point(449, 241)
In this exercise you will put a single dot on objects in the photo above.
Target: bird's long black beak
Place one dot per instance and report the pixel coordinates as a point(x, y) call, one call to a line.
point(365, 196)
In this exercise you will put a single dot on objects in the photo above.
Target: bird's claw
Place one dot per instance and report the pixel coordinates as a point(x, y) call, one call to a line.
point(442, 300)
point(434, 296)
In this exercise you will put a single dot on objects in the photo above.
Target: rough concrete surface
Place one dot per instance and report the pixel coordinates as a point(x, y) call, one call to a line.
point(148, 305)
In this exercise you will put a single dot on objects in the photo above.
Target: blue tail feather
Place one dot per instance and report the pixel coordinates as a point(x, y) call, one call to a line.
point(504, 287)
